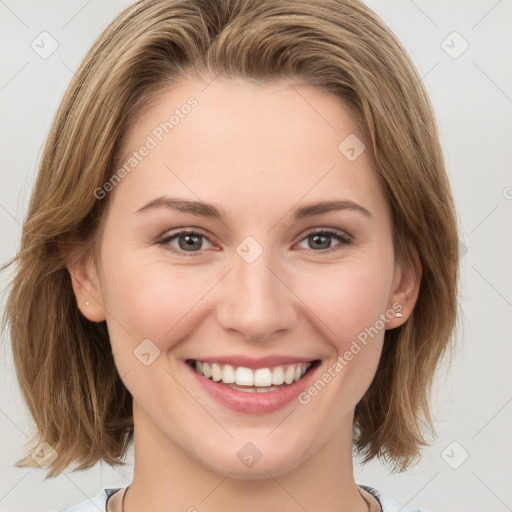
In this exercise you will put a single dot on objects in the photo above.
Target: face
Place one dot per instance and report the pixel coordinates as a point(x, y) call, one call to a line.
point(213, 258)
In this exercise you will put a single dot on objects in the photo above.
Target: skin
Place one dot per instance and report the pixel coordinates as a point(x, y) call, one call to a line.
point(257, 152)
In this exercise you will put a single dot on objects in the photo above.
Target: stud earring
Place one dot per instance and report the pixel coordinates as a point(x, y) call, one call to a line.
point(87, 302)
point(398, 314)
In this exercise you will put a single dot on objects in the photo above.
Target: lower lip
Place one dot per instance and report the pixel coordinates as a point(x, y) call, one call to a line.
point(253, 403)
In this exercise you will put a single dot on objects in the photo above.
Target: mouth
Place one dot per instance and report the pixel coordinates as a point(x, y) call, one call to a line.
point(249, 380)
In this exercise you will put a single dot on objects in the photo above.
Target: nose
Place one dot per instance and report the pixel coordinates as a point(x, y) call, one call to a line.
point(257, 300)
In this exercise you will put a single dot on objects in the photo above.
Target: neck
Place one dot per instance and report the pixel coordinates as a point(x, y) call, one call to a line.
point(166, 478)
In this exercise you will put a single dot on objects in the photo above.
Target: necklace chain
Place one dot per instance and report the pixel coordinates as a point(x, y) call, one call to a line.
point(126, 491)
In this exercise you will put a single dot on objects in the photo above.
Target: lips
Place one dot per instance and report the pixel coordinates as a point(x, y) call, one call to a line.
point(253, 388)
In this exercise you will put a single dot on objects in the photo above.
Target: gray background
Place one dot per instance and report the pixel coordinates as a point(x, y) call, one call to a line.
point(472, 95)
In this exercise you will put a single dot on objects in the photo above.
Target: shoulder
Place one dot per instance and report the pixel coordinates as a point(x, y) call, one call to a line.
point(388, 504)
point(99, 503)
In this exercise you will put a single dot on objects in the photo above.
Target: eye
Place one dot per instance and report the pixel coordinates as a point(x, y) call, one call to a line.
point(193, 242)
point(188, 241)
point(322, 240)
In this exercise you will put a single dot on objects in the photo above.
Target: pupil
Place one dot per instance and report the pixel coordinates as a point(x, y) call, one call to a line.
point(318, 240)
point(190, 240)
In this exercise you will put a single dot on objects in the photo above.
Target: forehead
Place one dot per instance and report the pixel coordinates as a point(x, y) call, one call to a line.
point(245, 144)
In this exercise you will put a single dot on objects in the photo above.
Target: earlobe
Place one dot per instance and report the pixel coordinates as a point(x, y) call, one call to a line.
point(405, 291)
point(87, 290)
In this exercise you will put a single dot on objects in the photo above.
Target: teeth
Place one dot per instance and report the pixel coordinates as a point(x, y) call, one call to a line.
point(207, 371)
point(228, 376)
point(216, 372)
point(278, 375)
point(244, 376)
point(263, 378)
point(288, 374)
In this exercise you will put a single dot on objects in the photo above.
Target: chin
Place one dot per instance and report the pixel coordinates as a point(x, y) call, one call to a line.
point(249, 462)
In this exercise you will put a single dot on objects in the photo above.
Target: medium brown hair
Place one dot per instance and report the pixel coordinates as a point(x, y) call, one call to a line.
point(64, 362)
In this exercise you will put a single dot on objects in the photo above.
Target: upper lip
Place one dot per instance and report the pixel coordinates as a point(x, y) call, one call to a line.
point(254, 362)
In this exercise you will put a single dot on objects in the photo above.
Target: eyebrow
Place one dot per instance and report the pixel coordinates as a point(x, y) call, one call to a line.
point(210, 211)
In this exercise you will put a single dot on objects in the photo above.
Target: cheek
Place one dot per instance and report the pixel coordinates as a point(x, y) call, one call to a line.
point(349, 304)
point(154, 301)
point(347, 298)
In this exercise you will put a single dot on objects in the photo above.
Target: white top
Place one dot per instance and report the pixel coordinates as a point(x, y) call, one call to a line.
point(99, 503)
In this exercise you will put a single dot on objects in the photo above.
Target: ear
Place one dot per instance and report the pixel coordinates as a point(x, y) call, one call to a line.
point(405, 289)
point(87, 289)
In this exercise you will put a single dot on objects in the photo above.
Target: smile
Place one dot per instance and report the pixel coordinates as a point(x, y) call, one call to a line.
point(260, 380)
point(250, 385)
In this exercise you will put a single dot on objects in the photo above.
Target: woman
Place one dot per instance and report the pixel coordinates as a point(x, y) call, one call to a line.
point(240, 253)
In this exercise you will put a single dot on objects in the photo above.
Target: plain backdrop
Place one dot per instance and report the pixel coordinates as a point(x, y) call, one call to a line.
point(462, 50)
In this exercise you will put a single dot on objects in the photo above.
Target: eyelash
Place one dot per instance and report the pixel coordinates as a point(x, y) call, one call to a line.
point(344, 240)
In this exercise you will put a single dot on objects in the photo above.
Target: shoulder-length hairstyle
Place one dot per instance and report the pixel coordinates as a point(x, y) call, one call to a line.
point(63, 361)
